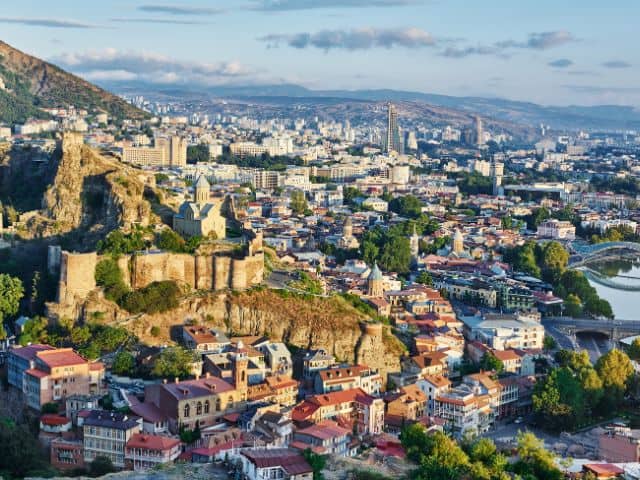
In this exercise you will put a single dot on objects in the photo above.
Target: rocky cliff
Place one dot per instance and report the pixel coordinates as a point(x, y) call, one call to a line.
point(307, 322)
point(90, 195)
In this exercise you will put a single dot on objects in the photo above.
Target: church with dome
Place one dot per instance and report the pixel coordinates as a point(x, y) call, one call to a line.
point(456, 249)
point(201, 216)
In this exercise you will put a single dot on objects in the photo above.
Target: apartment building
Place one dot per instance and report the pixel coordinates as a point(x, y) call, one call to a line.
point(365, 412)
point(105, 434)
point(326, 437)
point(557, 230)
point(346, 378)
point(50, 374)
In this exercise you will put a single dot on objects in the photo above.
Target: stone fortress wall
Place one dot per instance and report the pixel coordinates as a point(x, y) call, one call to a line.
point(216, 271)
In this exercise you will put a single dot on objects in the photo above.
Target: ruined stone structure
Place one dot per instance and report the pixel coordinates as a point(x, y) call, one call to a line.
point(215, 271)
point(77, 275)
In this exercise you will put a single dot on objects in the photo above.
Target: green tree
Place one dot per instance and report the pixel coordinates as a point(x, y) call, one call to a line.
point(615, 370)
point(21, 453)
point(101, 466)
point(298, 202)
point(634, 349)
point(554, 261)
point(424, 278)
point(592, 386)
point(573, 306)
point(549, 343)
point(534, 461)
point(109, 277)
point(316, 462)
point(174, 362)
point(34, 331)
point(489, 362)
point(11, 292)
point(559, 399)
point(406, 206)
point(123, 364)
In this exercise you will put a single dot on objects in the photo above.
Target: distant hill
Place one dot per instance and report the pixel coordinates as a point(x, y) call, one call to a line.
point(32, 83)
point(609, 117)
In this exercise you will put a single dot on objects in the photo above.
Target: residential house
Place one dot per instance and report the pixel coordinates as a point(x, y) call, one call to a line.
point(143, 451)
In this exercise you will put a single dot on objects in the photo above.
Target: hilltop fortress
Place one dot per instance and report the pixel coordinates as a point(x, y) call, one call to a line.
point(228, 267)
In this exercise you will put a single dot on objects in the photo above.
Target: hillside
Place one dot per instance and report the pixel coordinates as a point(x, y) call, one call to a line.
point(32, 83)
point(512, 114)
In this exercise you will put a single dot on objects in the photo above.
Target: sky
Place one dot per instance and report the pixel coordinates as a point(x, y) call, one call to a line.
point(552, 52)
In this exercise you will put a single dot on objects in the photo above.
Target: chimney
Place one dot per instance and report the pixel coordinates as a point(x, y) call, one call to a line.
point(207, 375)
point(177, 380)
point(164, 381)
point(197, 376)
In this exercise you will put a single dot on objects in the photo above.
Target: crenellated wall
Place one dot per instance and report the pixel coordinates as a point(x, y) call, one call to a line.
point(200, 272)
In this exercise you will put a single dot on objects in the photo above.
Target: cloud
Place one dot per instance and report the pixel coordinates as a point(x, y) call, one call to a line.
point(113, 64)
point(461, 52)
point(560, 63)
point(546, 40)
point(616, 64)
point(289, 5)
point(503, 48)
point(355, 39)
point(44, 22)
point(179, 10)
point(163, 21)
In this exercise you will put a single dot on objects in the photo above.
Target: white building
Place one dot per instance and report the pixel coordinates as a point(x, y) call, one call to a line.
point(557, 230)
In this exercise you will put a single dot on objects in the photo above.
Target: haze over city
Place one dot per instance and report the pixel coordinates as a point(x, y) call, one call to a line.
point(553, 53)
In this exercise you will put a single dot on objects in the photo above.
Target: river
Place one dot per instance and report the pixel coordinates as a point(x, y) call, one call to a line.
point(625, 304)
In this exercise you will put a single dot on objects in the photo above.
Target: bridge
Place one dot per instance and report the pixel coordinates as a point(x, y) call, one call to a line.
point(614, 329)
point(585, 253)
point(598, 278)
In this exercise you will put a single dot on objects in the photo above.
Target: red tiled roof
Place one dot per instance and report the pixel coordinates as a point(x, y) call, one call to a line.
point(29, 352)
point(34, 372)
point(197, 388)
point(60, 357)
point(152, 442)
point(54, 420)
point(292, 462)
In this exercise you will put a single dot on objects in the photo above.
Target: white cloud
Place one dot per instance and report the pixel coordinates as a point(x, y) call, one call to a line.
point(113, 64)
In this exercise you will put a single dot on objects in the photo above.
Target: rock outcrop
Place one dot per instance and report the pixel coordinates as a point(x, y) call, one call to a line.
point(306, 322)
point(92, 193)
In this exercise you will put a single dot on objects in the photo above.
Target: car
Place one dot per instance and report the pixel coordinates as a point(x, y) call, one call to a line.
point(518, 420)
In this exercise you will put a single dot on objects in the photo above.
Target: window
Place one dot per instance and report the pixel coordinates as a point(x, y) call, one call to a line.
point(206, 406)
point(199, 408)
point(218, 404)
point(187, 411)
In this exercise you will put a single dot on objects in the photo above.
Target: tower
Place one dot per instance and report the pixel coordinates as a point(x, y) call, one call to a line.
point(479, 131)
point(202, 188)
point(392, 140)
point(240, 365)
point(458, 243)
point(497, 172)
point(347, 228)
point(375, 282)
point(414, 245)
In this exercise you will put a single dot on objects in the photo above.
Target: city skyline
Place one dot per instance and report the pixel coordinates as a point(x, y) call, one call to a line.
point(542, 52)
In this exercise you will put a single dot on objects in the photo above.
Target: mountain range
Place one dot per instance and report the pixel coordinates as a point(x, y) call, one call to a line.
point(606, 117)
point(31, 84)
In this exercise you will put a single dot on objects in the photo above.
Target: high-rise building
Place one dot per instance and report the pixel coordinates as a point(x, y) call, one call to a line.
point(497, 172)
point(392, 141)
point(479, 131)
